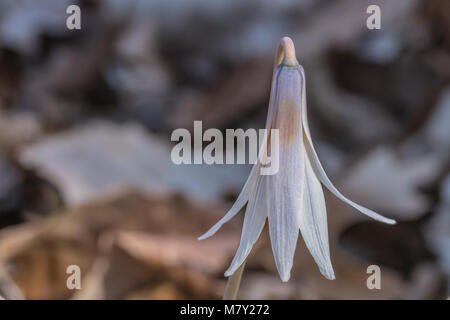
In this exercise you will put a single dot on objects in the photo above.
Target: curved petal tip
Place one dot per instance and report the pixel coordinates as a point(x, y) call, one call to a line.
point(329, 274)
point(385, 220)
point(202, 237)
point(285, 277)
point(391, 221)
point(228, 273)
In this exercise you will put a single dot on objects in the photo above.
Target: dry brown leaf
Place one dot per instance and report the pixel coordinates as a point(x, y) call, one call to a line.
point(38, 254)
point(209, 256)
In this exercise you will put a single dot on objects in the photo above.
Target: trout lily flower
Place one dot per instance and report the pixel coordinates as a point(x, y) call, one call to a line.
point(291, 199)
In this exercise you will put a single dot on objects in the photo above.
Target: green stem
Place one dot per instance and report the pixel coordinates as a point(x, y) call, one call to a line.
point(232, 288)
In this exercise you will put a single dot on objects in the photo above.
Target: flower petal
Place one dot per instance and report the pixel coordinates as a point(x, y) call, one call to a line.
point(318, 169)
point(254, 220)
point(313, 221)
point(238, 204)
point(244, 196)
point(285, 187)
point(245, 192)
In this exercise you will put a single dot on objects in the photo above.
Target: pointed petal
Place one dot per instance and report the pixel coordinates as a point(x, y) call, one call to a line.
point(238, 204)
point(283, 205)
point(255, 218)
point(285, 187)
point(244, 196)
point(256, 211)
point(245, 192)
point(313, 222)
point(318, 169)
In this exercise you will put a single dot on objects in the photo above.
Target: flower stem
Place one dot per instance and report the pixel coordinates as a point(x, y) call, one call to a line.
point(286, 53)
point(232, 288)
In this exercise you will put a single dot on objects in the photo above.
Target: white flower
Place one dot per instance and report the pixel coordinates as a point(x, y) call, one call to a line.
point(293, 198)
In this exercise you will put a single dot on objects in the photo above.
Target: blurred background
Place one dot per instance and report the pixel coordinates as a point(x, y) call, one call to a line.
point(86, 117)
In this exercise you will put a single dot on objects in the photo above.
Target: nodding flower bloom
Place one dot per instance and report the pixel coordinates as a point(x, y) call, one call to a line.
point(292, 199)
